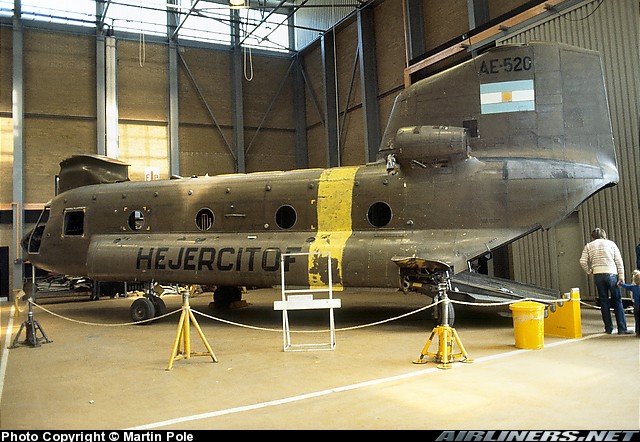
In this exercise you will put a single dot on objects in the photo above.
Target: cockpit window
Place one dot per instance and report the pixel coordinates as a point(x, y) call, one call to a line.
point(34, 238)
point(73, 222)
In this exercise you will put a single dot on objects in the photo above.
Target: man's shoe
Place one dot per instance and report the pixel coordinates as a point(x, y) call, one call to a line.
point(626, 332)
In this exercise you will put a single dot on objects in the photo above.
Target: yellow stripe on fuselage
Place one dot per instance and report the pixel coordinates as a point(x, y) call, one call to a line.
point(334, 203)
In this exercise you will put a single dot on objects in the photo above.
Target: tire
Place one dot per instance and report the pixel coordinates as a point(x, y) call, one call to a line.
point(142, 309)
point(225, 295)
point(159, 306)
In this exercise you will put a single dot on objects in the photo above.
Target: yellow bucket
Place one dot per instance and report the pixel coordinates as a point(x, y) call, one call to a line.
point(528, 324)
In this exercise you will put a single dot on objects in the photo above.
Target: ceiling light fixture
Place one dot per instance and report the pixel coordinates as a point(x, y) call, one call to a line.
point(237, 4)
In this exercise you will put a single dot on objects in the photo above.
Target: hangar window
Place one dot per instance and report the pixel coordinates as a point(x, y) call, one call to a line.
point(136, 220)
point(286, 217)
point(78, 12)
point(263, 31)
point(204, 219)
point(74, 222)
point(379, 214)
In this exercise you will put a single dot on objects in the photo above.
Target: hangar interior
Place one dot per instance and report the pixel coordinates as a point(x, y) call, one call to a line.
point(165, 90)
point(197, 87)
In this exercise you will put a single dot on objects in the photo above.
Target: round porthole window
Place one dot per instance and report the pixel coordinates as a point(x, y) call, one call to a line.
point(379, 214)
point(136, 220)
point(286, 217)
point(204, 219)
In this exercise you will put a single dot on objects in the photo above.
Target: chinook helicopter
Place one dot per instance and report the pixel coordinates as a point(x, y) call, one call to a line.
point(472, 158)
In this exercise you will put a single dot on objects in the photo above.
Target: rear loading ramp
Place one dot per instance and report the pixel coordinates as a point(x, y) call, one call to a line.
point(481, 290)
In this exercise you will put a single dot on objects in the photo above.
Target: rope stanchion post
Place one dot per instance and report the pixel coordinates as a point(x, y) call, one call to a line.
point(183, 335)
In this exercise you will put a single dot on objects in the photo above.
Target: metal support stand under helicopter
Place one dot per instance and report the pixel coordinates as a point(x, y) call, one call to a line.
point(31, 327)
point(446, 334)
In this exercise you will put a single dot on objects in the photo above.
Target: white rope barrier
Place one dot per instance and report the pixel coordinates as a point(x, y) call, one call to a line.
point(323, 331)
point(395, 318)
point(103, 324)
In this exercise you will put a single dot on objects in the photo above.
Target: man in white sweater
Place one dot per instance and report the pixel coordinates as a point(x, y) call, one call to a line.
point(601, 257)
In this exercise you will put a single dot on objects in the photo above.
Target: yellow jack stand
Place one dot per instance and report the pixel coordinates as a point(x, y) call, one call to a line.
point(184, 334)
point(445, 354)
point(446, 333)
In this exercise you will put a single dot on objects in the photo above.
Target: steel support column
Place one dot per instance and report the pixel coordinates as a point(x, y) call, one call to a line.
point(174, 119)
point(17, 113)
point(300, 114)
point(414, 28)
point(111, 82)
point(236, 91)
point(368, 83)
point(478, 15)
point(172, 73)
point(330, 98)
point(478, 12)
point(101, 94)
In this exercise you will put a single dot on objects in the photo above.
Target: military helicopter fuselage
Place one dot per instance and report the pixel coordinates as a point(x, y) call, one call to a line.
point(471, 159)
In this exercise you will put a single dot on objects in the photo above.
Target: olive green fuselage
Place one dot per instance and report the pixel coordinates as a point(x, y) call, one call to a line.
point(471, 159)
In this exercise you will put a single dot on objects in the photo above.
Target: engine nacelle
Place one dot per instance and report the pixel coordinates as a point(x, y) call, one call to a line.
point(429, 145)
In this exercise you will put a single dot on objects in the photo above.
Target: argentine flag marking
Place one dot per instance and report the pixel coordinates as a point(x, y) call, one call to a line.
point(507, 96)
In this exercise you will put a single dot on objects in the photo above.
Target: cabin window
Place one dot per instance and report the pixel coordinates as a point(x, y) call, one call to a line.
point(286, 217)
point(136, 220)
point(379, 214)
point(204, 219)
point(74, 222)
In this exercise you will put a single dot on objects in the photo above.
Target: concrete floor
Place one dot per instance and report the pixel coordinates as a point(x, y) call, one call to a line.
point(99, 374)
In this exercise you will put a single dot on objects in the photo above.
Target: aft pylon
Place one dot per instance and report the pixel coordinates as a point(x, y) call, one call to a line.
point(183, 335)
point(446, 334)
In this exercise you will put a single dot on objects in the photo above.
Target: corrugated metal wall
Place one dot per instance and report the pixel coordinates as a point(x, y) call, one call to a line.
point(318, 19)
point(611, 27)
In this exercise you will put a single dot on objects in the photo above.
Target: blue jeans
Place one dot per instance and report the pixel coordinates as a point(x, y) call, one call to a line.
point(607, 283)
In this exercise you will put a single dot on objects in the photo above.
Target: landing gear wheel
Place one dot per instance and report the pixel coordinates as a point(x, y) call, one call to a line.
point(142, 309)
point(224, 296)
point(159, 305)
